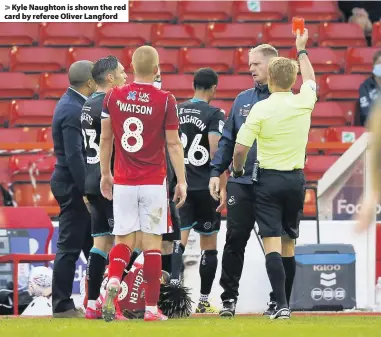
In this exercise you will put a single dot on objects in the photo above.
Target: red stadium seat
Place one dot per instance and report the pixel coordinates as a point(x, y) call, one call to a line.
point(4, 58)
point(330, 113)
point(225, 106)
point(20, 165)
point(341, 35)
point(316, 135)
point(360, 60)
point(31, 112)
point(314, 10)
point(233, 34)
point(44, 135)
point(162, 11)
point(18, 135)
point(324, 60)
point(42, 196)
point(180, 85)
point(64, 34)
point(279, 34)
point(122, 34)
point(91, 54)
point(344, 134)
point(229, 86)
point(245, 11)
point(343, 86)
point(309, 209)
point(5, 176)
point(36, 59)
point(168, 59)
point(194, 58)
point(18, 85)
point(206, 11)
point(316, 166)
point(376, 34)
point(4, 112)
point(53, 85)
point(18, 34)
point(186, 35)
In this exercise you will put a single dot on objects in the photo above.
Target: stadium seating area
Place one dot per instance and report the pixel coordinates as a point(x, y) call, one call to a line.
point(34, 59)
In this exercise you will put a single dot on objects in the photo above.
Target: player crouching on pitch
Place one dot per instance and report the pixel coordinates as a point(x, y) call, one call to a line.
point(140, 119)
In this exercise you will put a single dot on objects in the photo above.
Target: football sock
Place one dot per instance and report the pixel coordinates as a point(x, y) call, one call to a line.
point(119, 258)
point(151, 276)
point(204, 298)
point(92, 304)
point(272, 297)
point(167, 263)
point(152, 308)
point(208, 268)
point(177, 259)
point(96, 266)
point(289, 265)
point(134, 256)
point(277, 277)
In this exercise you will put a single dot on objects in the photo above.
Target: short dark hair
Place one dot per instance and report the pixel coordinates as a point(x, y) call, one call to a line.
point(204, 79)
point(103, 67)
point(376, 55)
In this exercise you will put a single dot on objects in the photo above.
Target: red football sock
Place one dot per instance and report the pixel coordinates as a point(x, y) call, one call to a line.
point(119, 258)
point(151, 275)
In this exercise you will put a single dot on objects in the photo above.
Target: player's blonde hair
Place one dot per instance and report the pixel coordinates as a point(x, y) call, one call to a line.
point(282, 72)
point(265, 49)
point(144, 61)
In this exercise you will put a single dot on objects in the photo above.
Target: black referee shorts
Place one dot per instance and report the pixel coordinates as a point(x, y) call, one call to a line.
point(278, 202)
point(102, 216)
point(175, 218)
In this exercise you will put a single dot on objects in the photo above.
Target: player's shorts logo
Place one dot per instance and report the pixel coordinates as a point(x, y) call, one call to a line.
point(231, 200)
point(111, 222)
point(207, 225)
point(131, 96)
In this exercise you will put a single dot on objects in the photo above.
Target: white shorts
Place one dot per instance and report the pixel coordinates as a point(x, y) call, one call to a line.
point(140, 208)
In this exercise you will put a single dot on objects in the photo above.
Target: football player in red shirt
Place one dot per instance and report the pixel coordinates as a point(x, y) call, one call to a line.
point(140, 119)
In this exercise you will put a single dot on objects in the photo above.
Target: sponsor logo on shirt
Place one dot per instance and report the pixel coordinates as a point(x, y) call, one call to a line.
point(245, 110)
point(131, 96)
point(143, 97)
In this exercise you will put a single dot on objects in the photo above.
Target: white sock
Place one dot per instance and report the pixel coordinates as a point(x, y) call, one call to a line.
point(92, 304)
point(204, 298)
point(152, 309)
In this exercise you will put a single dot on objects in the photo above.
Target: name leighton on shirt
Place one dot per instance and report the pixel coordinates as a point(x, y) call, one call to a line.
point(194, 120)
point(138, 109)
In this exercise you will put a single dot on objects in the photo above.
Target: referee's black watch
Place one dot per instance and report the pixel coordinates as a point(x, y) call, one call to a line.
point(300, 52)
point(238, 174)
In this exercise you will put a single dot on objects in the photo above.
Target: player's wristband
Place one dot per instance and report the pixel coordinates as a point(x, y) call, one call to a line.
point(300, 52)
point(238, 174)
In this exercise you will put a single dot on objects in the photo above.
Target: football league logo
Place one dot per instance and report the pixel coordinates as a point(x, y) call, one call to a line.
point(131, 96)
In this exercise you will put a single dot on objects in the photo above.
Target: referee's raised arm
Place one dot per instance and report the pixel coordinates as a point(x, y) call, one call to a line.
point(281, 125)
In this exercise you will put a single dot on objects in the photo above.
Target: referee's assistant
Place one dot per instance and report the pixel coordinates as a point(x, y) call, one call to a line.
point(281, 125)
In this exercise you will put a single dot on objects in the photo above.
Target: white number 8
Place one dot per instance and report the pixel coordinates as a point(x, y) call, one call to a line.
point(136, 134)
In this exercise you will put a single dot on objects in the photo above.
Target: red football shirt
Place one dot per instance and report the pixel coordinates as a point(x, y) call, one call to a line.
point(140, 114)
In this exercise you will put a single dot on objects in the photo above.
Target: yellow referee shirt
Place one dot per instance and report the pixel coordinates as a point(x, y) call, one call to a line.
point(281, 125)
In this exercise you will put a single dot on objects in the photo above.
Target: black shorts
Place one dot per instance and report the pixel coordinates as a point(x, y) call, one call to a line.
point(278, 202)
point(102, 218)
point(199, 213)
point(175, 218)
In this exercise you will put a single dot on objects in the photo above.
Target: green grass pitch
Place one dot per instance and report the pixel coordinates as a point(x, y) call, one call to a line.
point(303, 326)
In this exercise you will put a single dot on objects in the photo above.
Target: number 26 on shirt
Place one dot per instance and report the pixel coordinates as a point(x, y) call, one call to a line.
point(194, 148)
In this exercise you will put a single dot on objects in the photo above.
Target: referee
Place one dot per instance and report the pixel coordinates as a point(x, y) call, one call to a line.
point(281, 125)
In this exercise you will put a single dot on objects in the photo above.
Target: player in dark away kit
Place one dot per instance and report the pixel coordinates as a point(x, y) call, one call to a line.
point(201, 126)
point(107, 73)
